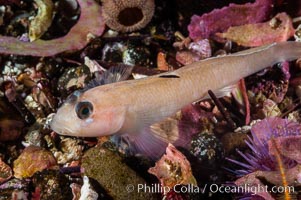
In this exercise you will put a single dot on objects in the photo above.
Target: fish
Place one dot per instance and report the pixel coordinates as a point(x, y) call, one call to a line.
point(130, 109)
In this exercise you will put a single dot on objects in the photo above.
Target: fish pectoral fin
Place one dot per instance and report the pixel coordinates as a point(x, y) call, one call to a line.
point(176, 130)
point(167, 130)
point(152, 140)
point(222, 92)
point(119, 72)
point(144, 142)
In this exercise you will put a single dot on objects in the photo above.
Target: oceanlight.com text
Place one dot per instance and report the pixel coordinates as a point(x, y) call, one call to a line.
point(211, 188)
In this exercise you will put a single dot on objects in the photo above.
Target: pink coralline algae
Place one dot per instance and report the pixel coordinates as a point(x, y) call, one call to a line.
point(278, 29)
point(32, 160)
point(196, 51)
point(273, 88)
point(9, 2)
point(173, 168)
point(193, 121)
point(186, 57)
point(219, 20)
point(253, 182)
point(290, 147)
point(90, 23)
point(274, 177)
point(5, 172)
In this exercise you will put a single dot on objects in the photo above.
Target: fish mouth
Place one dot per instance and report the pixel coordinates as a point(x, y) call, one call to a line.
point(58, 126)
point(64, 131)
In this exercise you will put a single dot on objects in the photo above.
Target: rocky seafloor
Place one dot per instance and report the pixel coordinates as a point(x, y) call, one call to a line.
point(244, 144)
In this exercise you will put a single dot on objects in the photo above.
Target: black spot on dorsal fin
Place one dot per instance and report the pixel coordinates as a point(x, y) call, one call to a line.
point(169, 76)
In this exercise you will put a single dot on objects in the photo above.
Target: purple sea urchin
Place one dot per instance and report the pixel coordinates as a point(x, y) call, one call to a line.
point(260, 158)
point(266, 159)
point(129, 15)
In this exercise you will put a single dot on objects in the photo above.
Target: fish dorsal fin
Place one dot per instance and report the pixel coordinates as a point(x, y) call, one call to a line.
point(116, 73)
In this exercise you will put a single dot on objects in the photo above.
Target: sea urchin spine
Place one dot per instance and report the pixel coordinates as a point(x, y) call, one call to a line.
point(128, 15)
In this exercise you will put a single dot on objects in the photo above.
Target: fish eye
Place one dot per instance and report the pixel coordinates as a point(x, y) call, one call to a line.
point(83, 109)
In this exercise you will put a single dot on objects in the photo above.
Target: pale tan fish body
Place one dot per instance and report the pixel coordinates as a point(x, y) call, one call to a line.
point(131, 107)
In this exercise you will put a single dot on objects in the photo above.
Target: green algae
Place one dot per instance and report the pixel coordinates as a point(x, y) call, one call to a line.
point(114, 175)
